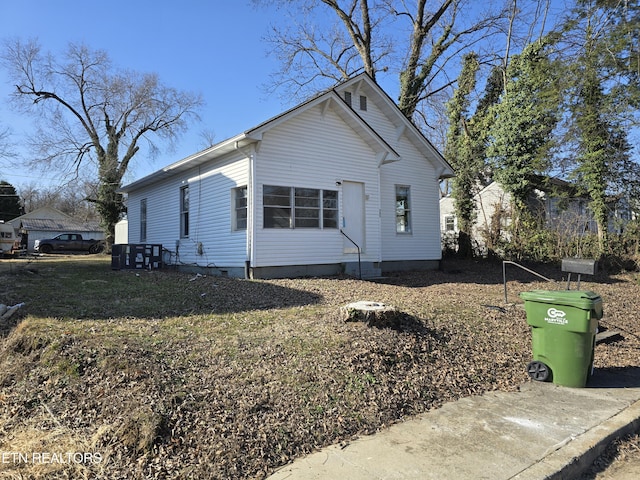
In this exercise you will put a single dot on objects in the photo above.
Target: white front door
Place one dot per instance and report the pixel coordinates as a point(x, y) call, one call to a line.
point(353, 223)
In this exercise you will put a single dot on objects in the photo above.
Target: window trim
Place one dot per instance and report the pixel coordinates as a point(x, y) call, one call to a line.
point(314, 208)
point(184, 211)
point(322, 219)
point(449, 220)
point(143, 220)
point(273, 207)
point(333, 210)
point(363, 103)
point(236, 209)
point(403, 212)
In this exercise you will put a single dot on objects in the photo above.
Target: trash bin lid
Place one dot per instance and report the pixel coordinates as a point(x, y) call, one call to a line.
point(585, 300)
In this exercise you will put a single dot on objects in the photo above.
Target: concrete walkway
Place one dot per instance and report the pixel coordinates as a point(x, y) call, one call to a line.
point(543, 431)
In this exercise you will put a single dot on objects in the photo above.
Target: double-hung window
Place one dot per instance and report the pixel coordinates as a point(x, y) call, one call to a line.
point(449, 223)
point(240, 207)
point(403, 210)
point(184, 212)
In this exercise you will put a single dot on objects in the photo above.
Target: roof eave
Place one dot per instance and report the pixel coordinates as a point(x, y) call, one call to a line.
point(194, 160)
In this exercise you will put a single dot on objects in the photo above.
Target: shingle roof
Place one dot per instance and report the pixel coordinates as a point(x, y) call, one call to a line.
point(59, 224)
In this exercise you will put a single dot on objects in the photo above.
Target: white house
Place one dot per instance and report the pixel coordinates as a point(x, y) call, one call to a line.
point(341, 183)
point(553, 200)
point(47, 222)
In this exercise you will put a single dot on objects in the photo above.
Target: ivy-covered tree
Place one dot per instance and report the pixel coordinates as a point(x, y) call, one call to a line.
point(461, 153)
point(523, 121)
point(603, 101)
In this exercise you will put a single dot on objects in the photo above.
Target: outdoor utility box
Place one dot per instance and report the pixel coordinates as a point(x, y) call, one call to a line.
point(136, 257)
point(563, 324)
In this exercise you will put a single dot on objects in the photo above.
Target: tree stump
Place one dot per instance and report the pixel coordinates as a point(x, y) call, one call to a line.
point(374, 314)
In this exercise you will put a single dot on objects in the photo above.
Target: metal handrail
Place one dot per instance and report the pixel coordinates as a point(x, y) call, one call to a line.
point(504, 275)
point(358, 247)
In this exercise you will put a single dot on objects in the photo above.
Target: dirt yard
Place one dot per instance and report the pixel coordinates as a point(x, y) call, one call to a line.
point(169, 375)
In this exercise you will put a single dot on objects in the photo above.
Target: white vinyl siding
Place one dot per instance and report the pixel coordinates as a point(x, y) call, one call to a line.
point(317, 151)
point(210, 213)
point(417, 172)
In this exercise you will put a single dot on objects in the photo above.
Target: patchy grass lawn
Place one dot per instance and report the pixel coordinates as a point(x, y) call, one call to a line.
point(159, 374)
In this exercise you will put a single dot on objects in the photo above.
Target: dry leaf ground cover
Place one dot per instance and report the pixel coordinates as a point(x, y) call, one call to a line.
point(124, 374)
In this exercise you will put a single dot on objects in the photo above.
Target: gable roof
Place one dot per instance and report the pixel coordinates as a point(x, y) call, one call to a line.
point(329, 99)
point(42, 212)
point(58, 224)
point(50, 219)
point(366, 84)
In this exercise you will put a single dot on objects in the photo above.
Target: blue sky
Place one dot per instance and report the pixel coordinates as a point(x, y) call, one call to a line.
point(212, 47)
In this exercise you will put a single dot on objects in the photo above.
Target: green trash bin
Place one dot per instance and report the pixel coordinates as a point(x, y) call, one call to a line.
point(563, 324)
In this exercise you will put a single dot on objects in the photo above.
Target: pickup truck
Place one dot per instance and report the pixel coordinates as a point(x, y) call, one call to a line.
point(68, 242)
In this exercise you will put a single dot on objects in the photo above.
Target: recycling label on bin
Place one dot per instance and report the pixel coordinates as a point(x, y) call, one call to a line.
point(558, 317)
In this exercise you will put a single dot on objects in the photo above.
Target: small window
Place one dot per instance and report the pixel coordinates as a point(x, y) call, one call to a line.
point(277, 206)
point(363, 103)
point(347, 98)
point(403, 211)
point(240, 206)
point(184, 212)
point(449, 223)
point(143, 220)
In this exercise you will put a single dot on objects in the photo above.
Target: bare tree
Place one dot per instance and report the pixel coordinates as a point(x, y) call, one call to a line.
point(6, 149)
point(93, 115)
point(313, 54)
point(70, 198)
point(207, 138)
point(416, 42)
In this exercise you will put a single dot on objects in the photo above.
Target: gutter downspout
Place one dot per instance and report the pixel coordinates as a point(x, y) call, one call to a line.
point(380, 236)
point(250, 240)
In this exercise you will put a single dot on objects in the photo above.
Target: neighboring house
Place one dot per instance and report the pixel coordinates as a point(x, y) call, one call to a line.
point(340, 178)
point(621, 213)
point(47, 222)
point(554, 200)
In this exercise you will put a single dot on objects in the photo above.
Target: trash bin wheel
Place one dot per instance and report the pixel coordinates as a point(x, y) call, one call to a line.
point(538, 371)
